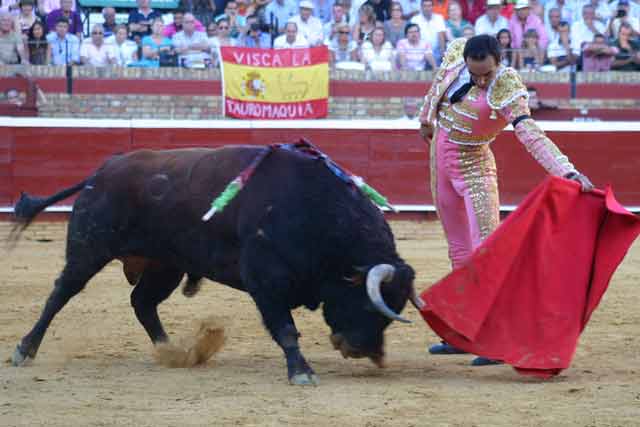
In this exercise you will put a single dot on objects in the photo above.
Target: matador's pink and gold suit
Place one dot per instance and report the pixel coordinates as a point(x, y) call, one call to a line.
point(463, 170)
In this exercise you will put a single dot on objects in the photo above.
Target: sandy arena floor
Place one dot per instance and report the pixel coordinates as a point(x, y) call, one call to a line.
point(95, 366)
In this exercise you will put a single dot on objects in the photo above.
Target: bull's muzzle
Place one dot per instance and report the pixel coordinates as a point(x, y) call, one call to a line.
point(341, 344)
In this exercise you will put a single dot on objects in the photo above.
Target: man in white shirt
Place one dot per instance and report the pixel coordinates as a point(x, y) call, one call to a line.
point(192, 46)
point(602, 12)
point(280, 11)
point(584, 30)
point(432, 27)
point(309, 26)
point(559, 49)
point(623, 14)
point(634, 8)
point(290, 39)
point(95, 52)
point(491, 22)
point(567, 9)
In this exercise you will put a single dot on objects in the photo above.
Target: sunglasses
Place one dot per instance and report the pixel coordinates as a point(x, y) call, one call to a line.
point(97, 33)
point(223, 27)
point(343, 32)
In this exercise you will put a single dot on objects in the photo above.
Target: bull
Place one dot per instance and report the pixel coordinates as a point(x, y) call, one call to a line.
point(296, 235)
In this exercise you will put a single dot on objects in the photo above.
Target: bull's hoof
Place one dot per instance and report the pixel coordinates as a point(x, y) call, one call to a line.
point(20, 359)
point(304, 379)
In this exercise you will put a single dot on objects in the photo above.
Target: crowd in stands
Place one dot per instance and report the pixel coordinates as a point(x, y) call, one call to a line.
point(380, 35)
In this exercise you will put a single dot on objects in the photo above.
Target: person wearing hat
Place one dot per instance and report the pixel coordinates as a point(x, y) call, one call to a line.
point(308, 25)
point(491, 22)
point(472, 99)
point(522, 21)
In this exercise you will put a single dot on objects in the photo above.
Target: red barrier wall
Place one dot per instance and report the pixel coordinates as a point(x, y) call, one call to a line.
point(43, 160)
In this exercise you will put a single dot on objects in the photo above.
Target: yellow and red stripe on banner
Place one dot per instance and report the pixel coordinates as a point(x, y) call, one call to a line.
point(275, 83)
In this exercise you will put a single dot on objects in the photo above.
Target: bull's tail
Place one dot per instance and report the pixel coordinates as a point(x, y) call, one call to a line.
point(28, 207)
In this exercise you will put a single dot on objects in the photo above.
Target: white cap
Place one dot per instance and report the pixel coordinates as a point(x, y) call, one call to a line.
point(494, 2)
point(521, 4)
point(305, 4)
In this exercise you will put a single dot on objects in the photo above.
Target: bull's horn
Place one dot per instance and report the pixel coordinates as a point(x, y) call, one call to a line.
point(416, 300)
point(376, 276)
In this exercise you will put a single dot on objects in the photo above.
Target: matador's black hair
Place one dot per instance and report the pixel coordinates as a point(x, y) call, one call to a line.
point(479, 47)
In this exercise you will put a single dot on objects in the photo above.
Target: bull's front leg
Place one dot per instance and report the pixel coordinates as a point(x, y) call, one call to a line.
point(278, 321)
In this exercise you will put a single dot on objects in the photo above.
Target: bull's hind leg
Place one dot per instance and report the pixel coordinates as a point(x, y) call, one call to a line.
point(269, 282)
point(72, 280)
point(155, 285)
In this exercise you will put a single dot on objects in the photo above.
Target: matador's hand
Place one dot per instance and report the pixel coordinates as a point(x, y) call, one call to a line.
point(585, 183)
point(426, 131)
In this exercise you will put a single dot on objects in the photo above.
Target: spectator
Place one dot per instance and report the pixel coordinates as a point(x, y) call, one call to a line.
point(553, 22)
point(602, 12)
point(366, 24)
point(64, 48)
point(140, 20)
point(212, 29)
point(203, 10)
point(231, 14)
point(537, 9)
point(12, 96)
point(597, 55)
point(441, 7)
point(566, 10)
point(176, 26)
point(432, 27)
point(531, 56)
point(394, 28)
point(109, 24)
point(559, 50)
point(468, 31)
point(11, 43)
point(634, 8)
point(245, 9)
point(455, 23)
point(584, 30)
point(523, 20)
point(322, 10)
point(329, 29)
point(37, 45)
point(377, 53)
point(223, 38)
point(473, 9)
point(192, 46)
point(623, 14)
point(125, 50)
point(309, 26)
point(156, 48)
point(381, 9)
point(256, 38)
point(413, 52)
point(66, 11)
point(342, 48)
point(411, 8)
point(45, 7)
point(278, 12)
point(94, 51)
point(628, 56)
point(25, 18)
point(492, 22)
point(10, 6)
point(507, 54)
point(290, 39)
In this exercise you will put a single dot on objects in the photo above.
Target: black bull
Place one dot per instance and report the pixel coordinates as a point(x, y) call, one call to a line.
point(296, 235)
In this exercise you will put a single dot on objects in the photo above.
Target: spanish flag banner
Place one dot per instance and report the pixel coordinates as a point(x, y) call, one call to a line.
point(275, 83)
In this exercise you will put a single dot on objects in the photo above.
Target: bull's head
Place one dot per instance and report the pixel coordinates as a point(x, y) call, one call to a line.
point(359, 313)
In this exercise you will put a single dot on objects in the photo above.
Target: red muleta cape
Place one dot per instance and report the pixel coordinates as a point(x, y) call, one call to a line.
point(529, 290)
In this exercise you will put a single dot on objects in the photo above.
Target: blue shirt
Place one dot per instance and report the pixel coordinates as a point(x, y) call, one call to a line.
point(70, 46)
point(264, 41)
